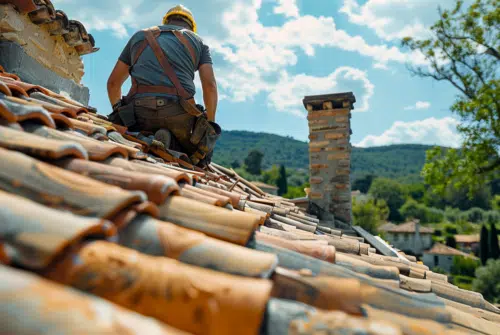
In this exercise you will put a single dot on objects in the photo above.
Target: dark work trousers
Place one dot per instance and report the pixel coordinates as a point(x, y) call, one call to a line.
point(154, 113)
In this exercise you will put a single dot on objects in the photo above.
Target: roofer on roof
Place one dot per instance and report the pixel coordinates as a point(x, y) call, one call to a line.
point(162, 62)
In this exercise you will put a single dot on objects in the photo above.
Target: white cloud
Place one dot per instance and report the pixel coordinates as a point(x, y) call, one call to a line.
point(395, 19)
point(288, 8)
point(287, 94)
point(430, 131)
point(418, 105)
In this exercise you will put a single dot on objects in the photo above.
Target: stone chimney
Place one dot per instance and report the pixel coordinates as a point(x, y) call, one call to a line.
point(329, 119)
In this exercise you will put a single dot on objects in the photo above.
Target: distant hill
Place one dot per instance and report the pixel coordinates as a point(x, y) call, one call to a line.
point(403, 162)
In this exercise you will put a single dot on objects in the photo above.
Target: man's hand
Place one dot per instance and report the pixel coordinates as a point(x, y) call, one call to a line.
point(209, 85)
point(116, 79)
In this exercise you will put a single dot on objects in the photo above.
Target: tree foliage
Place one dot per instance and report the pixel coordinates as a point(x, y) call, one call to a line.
point(363, 184)
point(494, 250)
point(282, 181)
point(464, 51)
point(369, 214)
point(253, 162)
point(487, 282)
point(464, 266)
point(484, 250)
point(393, 193)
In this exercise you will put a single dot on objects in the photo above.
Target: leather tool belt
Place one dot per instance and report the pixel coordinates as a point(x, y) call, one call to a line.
point(204, 133)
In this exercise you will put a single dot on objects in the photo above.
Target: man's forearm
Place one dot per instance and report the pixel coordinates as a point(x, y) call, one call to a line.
point(210, 97)
point(114, 93)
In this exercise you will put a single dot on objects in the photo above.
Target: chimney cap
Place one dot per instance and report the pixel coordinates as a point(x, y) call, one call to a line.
point(336, 97)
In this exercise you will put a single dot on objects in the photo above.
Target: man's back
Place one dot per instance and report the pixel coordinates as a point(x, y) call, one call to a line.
point(147, 70)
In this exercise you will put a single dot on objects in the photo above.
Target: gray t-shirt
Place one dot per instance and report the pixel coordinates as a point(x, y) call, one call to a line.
point(147, 70)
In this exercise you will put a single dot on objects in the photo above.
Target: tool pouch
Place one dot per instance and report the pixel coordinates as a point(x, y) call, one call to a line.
point(125, 115)
point(204, 136)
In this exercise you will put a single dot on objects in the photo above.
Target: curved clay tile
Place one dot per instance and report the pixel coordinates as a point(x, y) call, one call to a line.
point(224, 200)
point(133, 152)
point(26, 87)
point(61, 121)
point(77, 34)
point(4, 89)
point(9, 75)
point(48, 106)
point(58, 188)
point(76, 110)
point(118, 138)
point(375, 271)
point(39, 146)
point(23, 6)
point(187, 297)
point(87, 47)
point(146, 167)
point(156, 187)
point(235, 197)
point(160, 238)
point(14, 112)
point(57, 309)
point(190, 194)
point(98, 151)
point(36, 234)
point(87, 127)
point(314, 249)
point(44, 13)
point(231, 226)
point(60, 25)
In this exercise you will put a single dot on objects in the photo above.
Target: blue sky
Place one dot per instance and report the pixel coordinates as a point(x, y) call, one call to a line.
point(269, 54)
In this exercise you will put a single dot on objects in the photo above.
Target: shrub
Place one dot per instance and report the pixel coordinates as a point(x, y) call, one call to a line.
point(450, 229)
point(413, 210)
point(476, 215)
point(464, 266)
point(486, 281)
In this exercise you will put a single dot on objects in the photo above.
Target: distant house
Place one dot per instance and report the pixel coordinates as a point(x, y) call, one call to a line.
point(467, 243)
point(442, 256)
point(266, 188)
point(409, 237)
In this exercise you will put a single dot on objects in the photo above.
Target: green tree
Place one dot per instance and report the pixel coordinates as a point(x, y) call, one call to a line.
point(495, 203)
point(484, 250)
point(494, 252)
point(451, 241)
point(235, 164)
point(487, 282)
point(369, 214)
point(416, 191)
point(464, 266)
point(271, 176)
point(464, 51)
point(253, 162)
point(392, 192)
point(282, 181)
point(363, 184)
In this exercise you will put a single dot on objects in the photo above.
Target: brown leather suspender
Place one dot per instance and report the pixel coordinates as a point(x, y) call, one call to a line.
point(151, 39)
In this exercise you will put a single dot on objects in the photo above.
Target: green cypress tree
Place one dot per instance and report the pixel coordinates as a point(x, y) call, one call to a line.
point(494, 250)
point(484, 252)
point(282, 181)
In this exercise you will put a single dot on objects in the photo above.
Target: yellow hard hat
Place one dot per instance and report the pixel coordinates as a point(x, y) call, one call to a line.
point(182, 11)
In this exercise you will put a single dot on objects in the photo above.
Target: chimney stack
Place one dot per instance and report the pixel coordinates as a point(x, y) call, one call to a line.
point(329, 119)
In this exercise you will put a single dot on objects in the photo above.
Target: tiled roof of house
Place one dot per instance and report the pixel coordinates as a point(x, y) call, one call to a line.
point(408, 227)
point(163, 247)
point(467, 238)
point(441, 249)
point(264, 185)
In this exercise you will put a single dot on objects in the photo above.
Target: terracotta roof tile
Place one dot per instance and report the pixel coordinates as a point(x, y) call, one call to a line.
point(136, 185)
point(467, 238)
point(441, 249)
point(408, 227)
